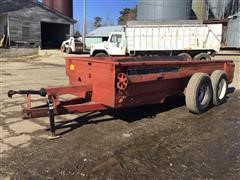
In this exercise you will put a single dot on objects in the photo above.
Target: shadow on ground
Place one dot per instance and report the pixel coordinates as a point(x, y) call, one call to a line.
point(129, 115)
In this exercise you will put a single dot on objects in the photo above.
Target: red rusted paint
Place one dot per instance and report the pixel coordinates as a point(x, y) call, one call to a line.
point(74, 90)
point(61, 109)
point(29, 101)
point(229, 69)
point(95, 82)
point(142, 89)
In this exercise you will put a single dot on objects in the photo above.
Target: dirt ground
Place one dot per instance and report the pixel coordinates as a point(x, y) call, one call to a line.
point(154, 142)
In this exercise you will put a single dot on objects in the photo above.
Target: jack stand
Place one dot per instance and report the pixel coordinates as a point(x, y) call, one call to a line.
point(52, 119)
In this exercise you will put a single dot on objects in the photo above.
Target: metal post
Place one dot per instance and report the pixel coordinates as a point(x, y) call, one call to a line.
point(52, 119)
point(9, 40)
point(84, 24)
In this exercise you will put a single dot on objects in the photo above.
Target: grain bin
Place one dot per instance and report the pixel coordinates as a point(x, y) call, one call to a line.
point(200, 8)
point(48, 3)
point(164, 9)
point(64, 6)
point(233, 36)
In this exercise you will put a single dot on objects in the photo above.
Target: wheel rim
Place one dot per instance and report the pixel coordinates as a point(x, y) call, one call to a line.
point(222, 88)
point(202, 94)
point(122, 81)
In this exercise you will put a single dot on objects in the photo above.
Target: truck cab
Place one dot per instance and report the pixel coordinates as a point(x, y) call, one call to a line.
point(115, 46)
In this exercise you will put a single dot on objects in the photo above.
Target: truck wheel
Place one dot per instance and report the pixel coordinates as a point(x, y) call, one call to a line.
point(219, 85)
point(69, 50)
point(63, 49)
point(199, 93)
point(202, 57)
point(185, 56)
point(100, 55)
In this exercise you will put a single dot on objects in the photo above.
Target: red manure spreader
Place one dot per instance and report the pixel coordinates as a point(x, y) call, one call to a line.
point(101, 83)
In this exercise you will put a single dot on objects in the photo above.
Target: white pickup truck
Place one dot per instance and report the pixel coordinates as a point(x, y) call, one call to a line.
point(198, 41)
point(72, 45)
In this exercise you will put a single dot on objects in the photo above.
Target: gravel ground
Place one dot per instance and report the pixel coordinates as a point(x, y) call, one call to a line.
point(154, 142)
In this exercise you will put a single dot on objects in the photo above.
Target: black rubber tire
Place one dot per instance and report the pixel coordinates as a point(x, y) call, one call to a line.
point(202, 57)
point(63, 49)
point(193, 93)
point(100, 55)
point(186, 56)
point(220, 86)
point(68, 50)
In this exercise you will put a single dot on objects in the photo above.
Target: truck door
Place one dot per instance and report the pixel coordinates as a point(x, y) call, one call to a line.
point(117, 44)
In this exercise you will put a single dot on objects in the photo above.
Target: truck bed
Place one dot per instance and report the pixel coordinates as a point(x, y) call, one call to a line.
point(175, 37)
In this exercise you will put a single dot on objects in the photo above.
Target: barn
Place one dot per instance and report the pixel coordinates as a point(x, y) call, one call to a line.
point(29, 23)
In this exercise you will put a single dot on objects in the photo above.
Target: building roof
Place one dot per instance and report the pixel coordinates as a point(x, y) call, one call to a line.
point(105, 31)
point(14, 5)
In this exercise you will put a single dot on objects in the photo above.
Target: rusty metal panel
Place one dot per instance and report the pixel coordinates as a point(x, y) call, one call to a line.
point(156, 80)
point(101, 75)
point(149, 81)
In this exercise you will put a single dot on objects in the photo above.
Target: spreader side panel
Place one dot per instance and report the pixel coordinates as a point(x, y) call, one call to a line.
point(99, 74)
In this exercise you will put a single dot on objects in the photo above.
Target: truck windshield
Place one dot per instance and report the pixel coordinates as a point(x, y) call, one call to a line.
point(116, 39)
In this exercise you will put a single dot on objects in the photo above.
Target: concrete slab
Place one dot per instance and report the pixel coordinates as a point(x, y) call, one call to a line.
point(4, 148)
point(12, 120)
point(17, 140)
point(43, 136)
point(25, 145)
point(126, 135)
point(18, 52)
point(11, 109)
point(25, 126)
point(3, 133)
point(5, 178)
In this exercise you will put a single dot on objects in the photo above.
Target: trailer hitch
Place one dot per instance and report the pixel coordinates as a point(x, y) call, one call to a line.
point(81, 103)
point(42, 92)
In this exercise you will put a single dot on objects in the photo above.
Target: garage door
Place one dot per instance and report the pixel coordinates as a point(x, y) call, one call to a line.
point(53, 34)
